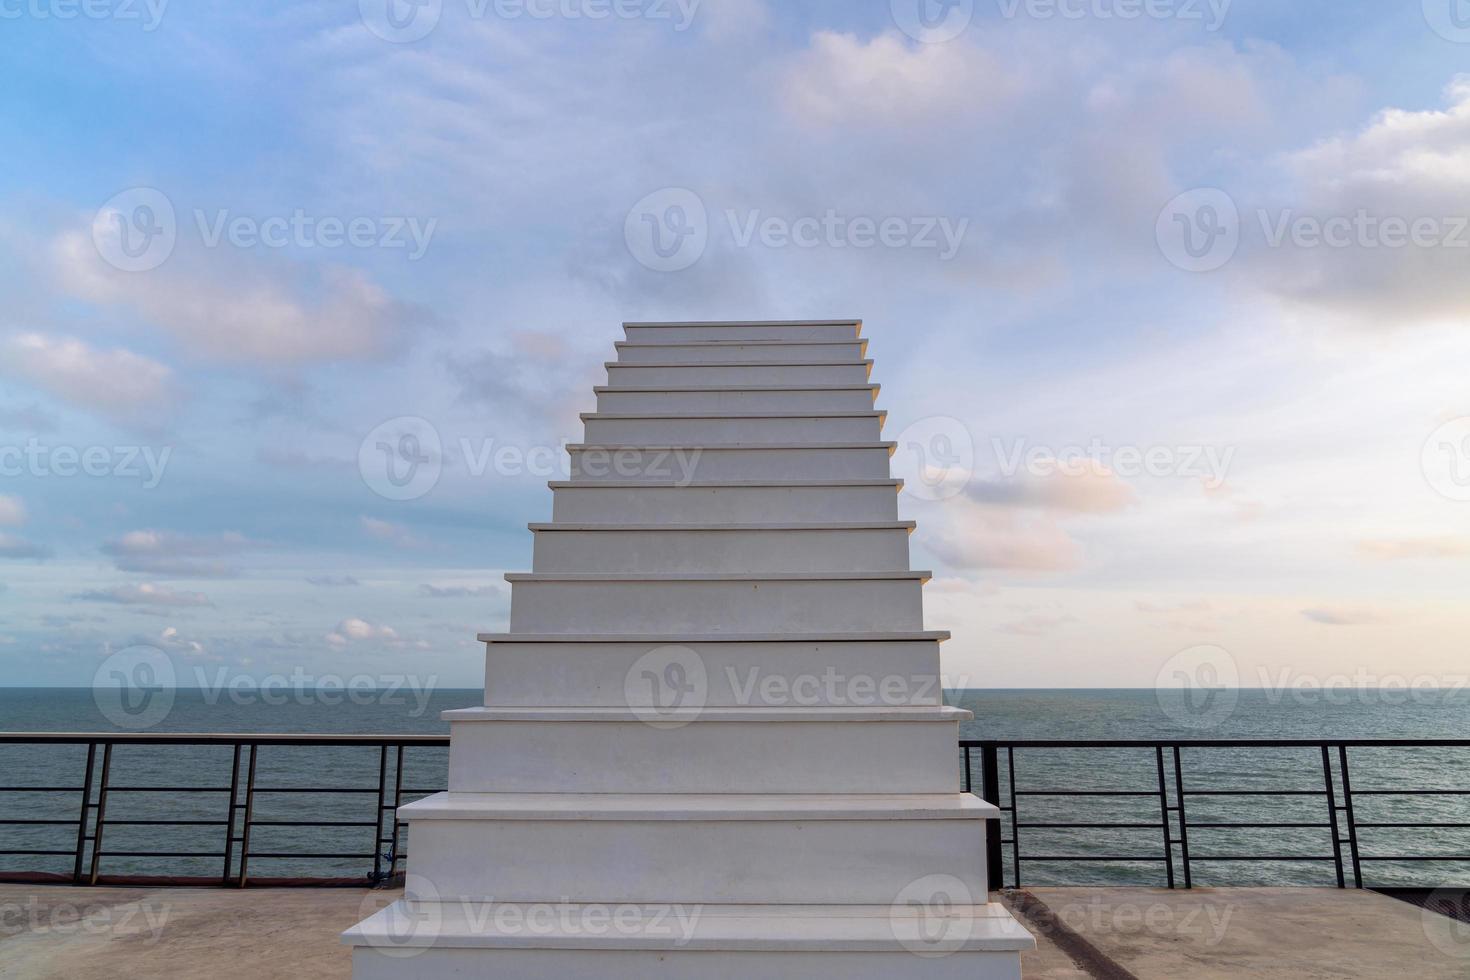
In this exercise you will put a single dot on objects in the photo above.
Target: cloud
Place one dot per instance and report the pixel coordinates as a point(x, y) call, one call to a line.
point(354, 630)
point(1416, 548)
point(146, 594)
point(1189, 605)
point(975, 537)
point(332, 581)
point(177, 555)
point(1404, 165)
point(230, 307)
point(1079, 487)
point(1343, 615)
point(1035, 625)
point(459, 591)
point(15, 547)
point(12, 511)
point(394, 534)
point(116, 383)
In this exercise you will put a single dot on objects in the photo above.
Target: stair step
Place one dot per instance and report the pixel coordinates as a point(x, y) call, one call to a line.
point(743, 351)
point(538, 670)
point(702, 603)
point(745, 330)
point(716, 462)
point(732, 502)
point(687, 847)
point(798, 374)
point(736, 398)
point(742, 427)
point(694, 548)
point(672, 745)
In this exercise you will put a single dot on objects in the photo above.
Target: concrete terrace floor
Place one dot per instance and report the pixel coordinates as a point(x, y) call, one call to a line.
point(1151, 934)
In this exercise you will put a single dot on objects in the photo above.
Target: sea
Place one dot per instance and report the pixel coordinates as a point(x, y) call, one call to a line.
point(1220, 855)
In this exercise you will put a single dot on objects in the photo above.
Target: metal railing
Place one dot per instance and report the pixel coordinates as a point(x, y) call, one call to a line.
point(1172, 790)
point(236, 820)
point(1335, 795)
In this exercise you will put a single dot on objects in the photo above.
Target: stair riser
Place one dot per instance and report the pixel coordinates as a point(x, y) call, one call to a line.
point(886, 673)
point(671, 552)
point(526, 964)
point(638, 376)
point(862, 861)
point(695, 465)
point(662, 607)
point(675, 431)
point(684, 402)
point(767, 331)
point(732, 505)
point(665, 352)
point(703, 757)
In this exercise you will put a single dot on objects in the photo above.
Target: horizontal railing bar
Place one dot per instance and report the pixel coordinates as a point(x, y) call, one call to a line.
point(1257, 857)
point(1258, 792)
point(41, 789)
point(309, 789)
point(309, 823)
point(306, 856)
point(161, 854)
point(162, 823)
point(36, 853)
point(1366, 823)
point(1411, 857)
point(68, 823)
point(168, 789)
point(1082, 857)
point(1411, 792)
point(1260, 826)
point(219, 738)
point(1092, 826)
point(1215, 743)
point(1084, 792)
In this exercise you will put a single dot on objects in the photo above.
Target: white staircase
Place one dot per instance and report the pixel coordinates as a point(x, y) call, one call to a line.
point(714, 743)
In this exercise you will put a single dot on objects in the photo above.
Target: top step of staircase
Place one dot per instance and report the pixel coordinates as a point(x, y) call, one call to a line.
point(745, 330)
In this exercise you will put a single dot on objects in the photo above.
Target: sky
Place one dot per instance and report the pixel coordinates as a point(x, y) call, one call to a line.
point(1167, 299)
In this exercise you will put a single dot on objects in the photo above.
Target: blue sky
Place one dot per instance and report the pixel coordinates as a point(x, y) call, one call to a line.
point(1326, 382)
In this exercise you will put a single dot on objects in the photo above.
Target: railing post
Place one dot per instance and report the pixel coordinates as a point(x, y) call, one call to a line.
point(1352, 821)
point(381, 805)
point(230, 816)
point(76, 874)
point(1183, 816)
point(1015, 813)
point(249, 818)
point(1332, 815)
point(101, 813)
point(990, 793)
point(397, 802)
point(1164, 815)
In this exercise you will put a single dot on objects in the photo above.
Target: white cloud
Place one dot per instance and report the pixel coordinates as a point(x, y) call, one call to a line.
point(1079, 487)
point(146, 594)
point(12, 510)
point(178, 555)
point(230, 307)
point(972, 536)
point(1445, 546)
point(1343, 615)
point(394, 534)
point(354, 630)
point(15, 547)
point(116, 382)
